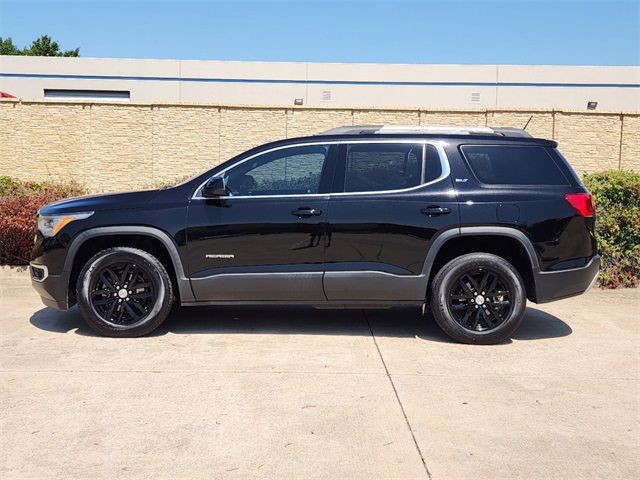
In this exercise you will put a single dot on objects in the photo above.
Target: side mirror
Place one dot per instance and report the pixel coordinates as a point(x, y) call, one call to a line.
point(214, 188)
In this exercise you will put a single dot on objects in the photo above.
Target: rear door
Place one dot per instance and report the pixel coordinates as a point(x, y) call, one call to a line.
point(389, 200)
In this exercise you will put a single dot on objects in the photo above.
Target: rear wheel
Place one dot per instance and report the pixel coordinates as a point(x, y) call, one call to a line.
point(478, 298)
point(124, 292)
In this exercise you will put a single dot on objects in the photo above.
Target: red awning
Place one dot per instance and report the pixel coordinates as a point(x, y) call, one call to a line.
point(6, 95)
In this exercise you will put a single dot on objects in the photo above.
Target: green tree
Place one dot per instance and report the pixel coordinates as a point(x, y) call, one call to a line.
point(7, 47)
point(44, 46)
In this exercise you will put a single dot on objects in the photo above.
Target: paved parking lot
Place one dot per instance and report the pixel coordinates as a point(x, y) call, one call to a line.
point(319, 394)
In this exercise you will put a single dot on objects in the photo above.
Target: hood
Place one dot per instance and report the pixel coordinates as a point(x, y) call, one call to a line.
point(96, 203)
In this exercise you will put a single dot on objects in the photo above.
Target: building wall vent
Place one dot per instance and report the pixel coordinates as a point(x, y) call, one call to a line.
point(66, 94)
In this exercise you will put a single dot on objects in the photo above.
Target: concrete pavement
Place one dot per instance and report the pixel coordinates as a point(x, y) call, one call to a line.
point(300, 393)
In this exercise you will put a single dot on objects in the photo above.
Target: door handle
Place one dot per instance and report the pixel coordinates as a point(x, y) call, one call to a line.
point(306, 212)
point(434, 210)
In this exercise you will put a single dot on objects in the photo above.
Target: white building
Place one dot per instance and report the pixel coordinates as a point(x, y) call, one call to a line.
point(324, 84)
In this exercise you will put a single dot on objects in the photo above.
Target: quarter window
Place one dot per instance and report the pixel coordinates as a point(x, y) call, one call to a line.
point(432, 165)
point(288, 171)
point(513, 165)
point(382, 166)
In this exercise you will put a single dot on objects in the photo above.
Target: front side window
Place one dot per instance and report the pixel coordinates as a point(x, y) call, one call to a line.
point(513, 165)
point(382, 166)
point(288, 171)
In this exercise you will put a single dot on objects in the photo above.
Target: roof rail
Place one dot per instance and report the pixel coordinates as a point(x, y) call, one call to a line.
point(451, 129)
point(426, 129)
point(352, 130)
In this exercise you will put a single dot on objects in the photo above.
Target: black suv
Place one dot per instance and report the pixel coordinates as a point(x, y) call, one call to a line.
point(467, 221)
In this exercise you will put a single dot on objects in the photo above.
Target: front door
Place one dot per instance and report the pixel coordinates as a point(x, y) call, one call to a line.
point(390, 201)
point(265, 240)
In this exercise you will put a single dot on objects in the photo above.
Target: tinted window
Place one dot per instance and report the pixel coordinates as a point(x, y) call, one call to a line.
point(382, 166)
point(433, 166)
point(289, 171)
point(513, 165)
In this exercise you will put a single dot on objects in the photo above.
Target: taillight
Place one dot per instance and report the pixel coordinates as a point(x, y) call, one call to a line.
point(582, 202)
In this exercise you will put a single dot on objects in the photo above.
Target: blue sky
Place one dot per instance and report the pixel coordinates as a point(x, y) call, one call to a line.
point(507, 32)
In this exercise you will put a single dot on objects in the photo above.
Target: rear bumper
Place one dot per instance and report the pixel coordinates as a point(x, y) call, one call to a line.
point(52, 289)
point(552, 286)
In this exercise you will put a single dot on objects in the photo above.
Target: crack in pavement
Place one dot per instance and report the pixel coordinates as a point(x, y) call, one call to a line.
point(395, 391)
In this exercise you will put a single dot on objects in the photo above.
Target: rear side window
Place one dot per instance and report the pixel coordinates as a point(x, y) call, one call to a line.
point(513, 165)
point(382, 166)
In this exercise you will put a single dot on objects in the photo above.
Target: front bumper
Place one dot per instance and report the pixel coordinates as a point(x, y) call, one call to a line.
point(51, 288)
point(561, 284)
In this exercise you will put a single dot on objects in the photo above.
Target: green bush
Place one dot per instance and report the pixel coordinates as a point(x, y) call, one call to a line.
point(617, 198)
point(19, 203)
point(10, 187)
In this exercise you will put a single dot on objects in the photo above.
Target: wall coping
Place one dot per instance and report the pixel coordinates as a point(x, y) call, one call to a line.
point(363, 108)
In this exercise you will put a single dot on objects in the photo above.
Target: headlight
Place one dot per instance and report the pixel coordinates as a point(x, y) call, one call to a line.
point(50, 225)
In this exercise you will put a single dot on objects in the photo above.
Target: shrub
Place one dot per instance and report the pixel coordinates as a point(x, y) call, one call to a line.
point(19, 203)
point(617, 197)
point(10, 187)
point(6, 185)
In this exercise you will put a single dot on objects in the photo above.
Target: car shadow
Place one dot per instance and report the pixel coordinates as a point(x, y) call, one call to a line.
point(393, 322)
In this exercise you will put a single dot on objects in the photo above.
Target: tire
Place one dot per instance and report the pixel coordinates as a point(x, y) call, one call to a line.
point(465, 307)
point(114, 311)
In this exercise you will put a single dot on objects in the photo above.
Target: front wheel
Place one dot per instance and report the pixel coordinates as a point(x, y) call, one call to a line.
point(124, 292)
point(478, 298)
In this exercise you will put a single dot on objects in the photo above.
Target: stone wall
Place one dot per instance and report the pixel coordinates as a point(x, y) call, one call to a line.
point(110, 147)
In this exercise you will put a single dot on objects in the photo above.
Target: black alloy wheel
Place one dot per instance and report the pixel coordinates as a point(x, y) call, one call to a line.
point(122, 294)
point(480, 299)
